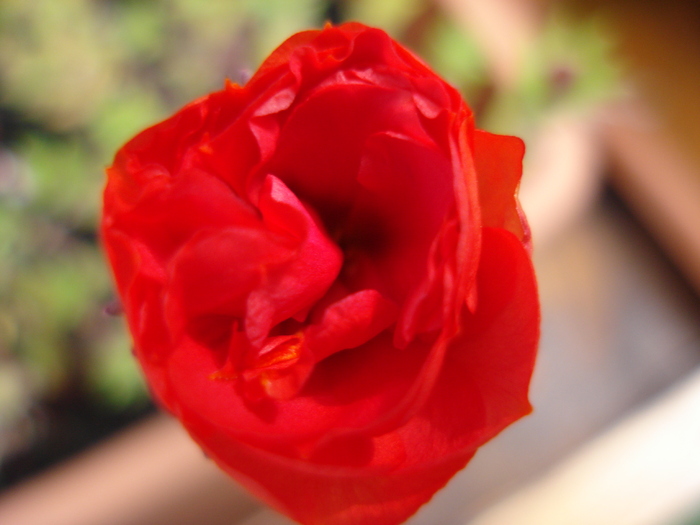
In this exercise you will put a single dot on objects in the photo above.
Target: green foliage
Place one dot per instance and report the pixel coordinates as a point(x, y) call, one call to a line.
point(569, 67)
point(122, 116)
point(391, 15)
point(50, 300)
point(65, 178)
point(455, 56)
point(112, 373)
point(81, 77)
point(52, 61)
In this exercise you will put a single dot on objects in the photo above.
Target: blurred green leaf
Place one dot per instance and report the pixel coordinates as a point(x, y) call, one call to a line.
point(140, 29)
point(67, 180)
point(570, 67)
point(52, 61)
point(454, 55)
point(276, 20)
point(391, 15)
point(51, 298)
point(127, 113)
point(113, 374)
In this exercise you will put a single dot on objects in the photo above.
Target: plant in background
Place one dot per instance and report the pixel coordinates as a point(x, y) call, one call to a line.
point(77, 78)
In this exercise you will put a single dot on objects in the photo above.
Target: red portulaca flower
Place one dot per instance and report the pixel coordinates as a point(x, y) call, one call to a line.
point(327, 277)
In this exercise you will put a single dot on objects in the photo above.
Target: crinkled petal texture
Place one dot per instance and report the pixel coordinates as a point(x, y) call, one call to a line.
point(327, 278)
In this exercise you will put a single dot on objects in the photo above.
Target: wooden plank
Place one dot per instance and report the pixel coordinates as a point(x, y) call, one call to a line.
point(659, 181)
point(645, 471)
point(151, 474)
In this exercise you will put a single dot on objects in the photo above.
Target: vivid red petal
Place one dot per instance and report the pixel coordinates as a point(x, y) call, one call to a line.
point(327, 495)
point(310, 272)
point(499, 164)
point(350, 322)
point(215, 271)
point(483, 386)
point(350, 392)
point(400, 207)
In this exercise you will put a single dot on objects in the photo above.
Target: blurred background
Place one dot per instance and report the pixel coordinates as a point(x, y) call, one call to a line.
point(606, 96)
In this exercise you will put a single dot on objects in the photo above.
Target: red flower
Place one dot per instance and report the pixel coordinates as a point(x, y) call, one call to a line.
point(326, 276)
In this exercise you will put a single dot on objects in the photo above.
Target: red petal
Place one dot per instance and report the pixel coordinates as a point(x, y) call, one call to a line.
point(499, 165)
point(214, 273)
point(405, 196)
point(168, 143)
point(322, 495)
point(350, 322)
point(348, 393)
point(170, 210)
point(309, 274)
point(483, 386)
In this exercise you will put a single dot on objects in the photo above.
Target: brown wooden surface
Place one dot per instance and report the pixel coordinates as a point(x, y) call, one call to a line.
point(644, 471)
point(655, 141)
point(151, 474)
